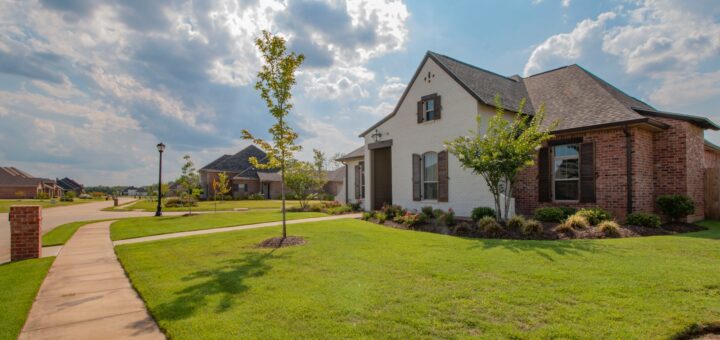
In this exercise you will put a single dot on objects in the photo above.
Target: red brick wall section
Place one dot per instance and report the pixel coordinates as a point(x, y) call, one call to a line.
point(712, 158)
point(679, 163)
point(25, 231)
point(642, 162)
point(610, 169)
point(9, 192)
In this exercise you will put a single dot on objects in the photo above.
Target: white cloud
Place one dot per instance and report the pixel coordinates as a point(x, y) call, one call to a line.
point(566, 47)
point(326, 137)
point(691, 88)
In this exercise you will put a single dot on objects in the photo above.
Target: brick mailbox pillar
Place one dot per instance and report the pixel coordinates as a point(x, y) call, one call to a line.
point(25, 232)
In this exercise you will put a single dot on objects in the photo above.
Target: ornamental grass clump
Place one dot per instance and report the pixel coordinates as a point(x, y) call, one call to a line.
point(532, 227)
point(515, 223)
point(594, 215)
point(489, 226)
point(576, 222)
point(609, 228)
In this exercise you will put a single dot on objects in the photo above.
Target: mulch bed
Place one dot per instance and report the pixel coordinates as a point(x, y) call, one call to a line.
point(466, 228)
point(279, 242)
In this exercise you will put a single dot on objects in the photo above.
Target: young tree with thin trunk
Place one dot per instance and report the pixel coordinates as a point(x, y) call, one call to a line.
point(221, 185)
point(275, 80)
point(302, 178)
point(500, 152)
point(190, 182)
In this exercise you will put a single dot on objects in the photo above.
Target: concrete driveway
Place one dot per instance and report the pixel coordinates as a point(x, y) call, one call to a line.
point(53, 217)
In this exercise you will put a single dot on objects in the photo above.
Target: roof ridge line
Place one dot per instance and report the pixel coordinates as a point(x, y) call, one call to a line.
point(473, 66)
point(599, 79)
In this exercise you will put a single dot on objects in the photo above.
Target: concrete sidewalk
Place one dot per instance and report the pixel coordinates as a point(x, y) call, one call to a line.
point(226, 229)
point(86, 295)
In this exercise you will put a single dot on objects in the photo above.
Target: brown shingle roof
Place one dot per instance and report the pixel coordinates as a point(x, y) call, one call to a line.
point(11, 176)
point(355, 154)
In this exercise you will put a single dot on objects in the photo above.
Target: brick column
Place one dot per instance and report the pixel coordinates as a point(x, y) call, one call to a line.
point(25, 232)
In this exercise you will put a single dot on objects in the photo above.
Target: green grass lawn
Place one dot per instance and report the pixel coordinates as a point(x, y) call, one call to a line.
point(146, 226)
point(19, 283)
point(354, 279)
point(62, 233)
point(6, 203)
point(146, 205)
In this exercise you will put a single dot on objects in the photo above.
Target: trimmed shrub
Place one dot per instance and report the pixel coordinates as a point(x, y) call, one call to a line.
point(259, 197)
point(676, 206)
point(338, 210)
point(448, 217)
point(532, 227)
point(355, 206)
point(176, 202)
point(568, 211)
point(594, 215)
point(609, 228)
point(412, 220)
point(549, 214)
point(464, 229)
point(381, 217)
point(66, 199)
point(480, 212)
point(366, 216)
point(392, 210)
point(427, 211)
point(516, 223)
point(42, 195)
point(643, 219)
point(489, 225)
point(577, 221)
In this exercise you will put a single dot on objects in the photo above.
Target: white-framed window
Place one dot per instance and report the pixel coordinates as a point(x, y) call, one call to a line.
point(243, 187)
point(430, 176)
point(566, 172)
point(429, 112)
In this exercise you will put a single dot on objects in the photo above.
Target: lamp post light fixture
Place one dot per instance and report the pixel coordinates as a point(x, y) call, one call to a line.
point(160, 148)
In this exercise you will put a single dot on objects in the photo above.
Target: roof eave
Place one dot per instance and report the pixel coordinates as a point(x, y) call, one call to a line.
point(651, 122)
point(697, 120)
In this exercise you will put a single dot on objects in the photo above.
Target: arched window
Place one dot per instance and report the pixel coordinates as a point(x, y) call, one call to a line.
point(430, 175)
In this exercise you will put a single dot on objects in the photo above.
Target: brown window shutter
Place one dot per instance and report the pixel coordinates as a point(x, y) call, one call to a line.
point(544, 175)
point(358, 181)
point(587, 172)
point(416, 164)
point(438, 107)
point(443, 192)
point(420, 117)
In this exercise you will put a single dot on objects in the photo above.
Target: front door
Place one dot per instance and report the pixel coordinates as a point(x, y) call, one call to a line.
point(381, 177)
point(266, 189)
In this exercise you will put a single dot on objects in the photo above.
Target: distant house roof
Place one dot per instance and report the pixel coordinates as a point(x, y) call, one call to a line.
point(68, 184)
point(11, 176)
point(337, 175)
point(574, 97)
point(239, 163)
point(355, 154)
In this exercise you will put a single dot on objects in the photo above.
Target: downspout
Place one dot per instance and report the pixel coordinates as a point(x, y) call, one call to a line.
point(628, 162)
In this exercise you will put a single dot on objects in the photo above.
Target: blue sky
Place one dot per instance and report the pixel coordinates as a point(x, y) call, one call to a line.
point(87, 88)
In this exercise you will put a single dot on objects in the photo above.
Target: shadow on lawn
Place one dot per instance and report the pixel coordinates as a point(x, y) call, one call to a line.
point(226, 279)
point(541, 248)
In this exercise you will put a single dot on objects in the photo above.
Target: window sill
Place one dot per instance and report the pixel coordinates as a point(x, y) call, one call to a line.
point(567, 201)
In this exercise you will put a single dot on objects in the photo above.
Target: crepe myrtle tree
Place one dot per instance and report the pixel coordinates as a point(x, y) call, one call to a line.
point(502, 151)
point(304, 180)
point(189, 181)
point(221, 186)
point(275, 81)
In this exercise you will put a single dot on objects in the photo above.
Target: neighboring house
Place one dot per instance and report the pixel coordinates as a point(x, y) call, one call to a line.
point(134, 192)
point(610, 149)
point(244, 178)
point(15, 183)
point(68, 185)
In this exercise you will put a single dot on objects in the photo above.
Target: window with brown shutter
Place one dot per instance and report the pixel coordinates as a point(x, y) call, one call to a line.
point(587, 172)
point(360, 180)
point(416, 164)
point(544, 175)
point(443, 192)
point(429, 108)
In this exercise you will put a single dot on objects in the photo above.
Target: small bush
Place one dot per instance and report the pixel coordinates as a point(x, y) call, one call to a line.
point(464, 229)
point(577, 221)
point(257, 197)
point(642, 219)
point(412, 219)
point(343, 209)
point(437, 213)
point(66, 199)
point(568, 211)
point(427, 211)
point(175, 202)
point(532, 227)
point(549, 214)
point(594, 215)
point(392, 210)
point(516, 223)
point(381, 217)
point(489, 225)
point(366, 216)
point(295, 209)
point(42, 195)
point(481, 212)
point(355, 206)
point(609, 228)
point(448, 218)
point(676, 206)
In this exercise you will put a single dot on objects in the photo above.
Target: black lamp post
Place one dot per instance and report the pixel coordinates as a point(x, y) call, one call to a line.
point(161, 148)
